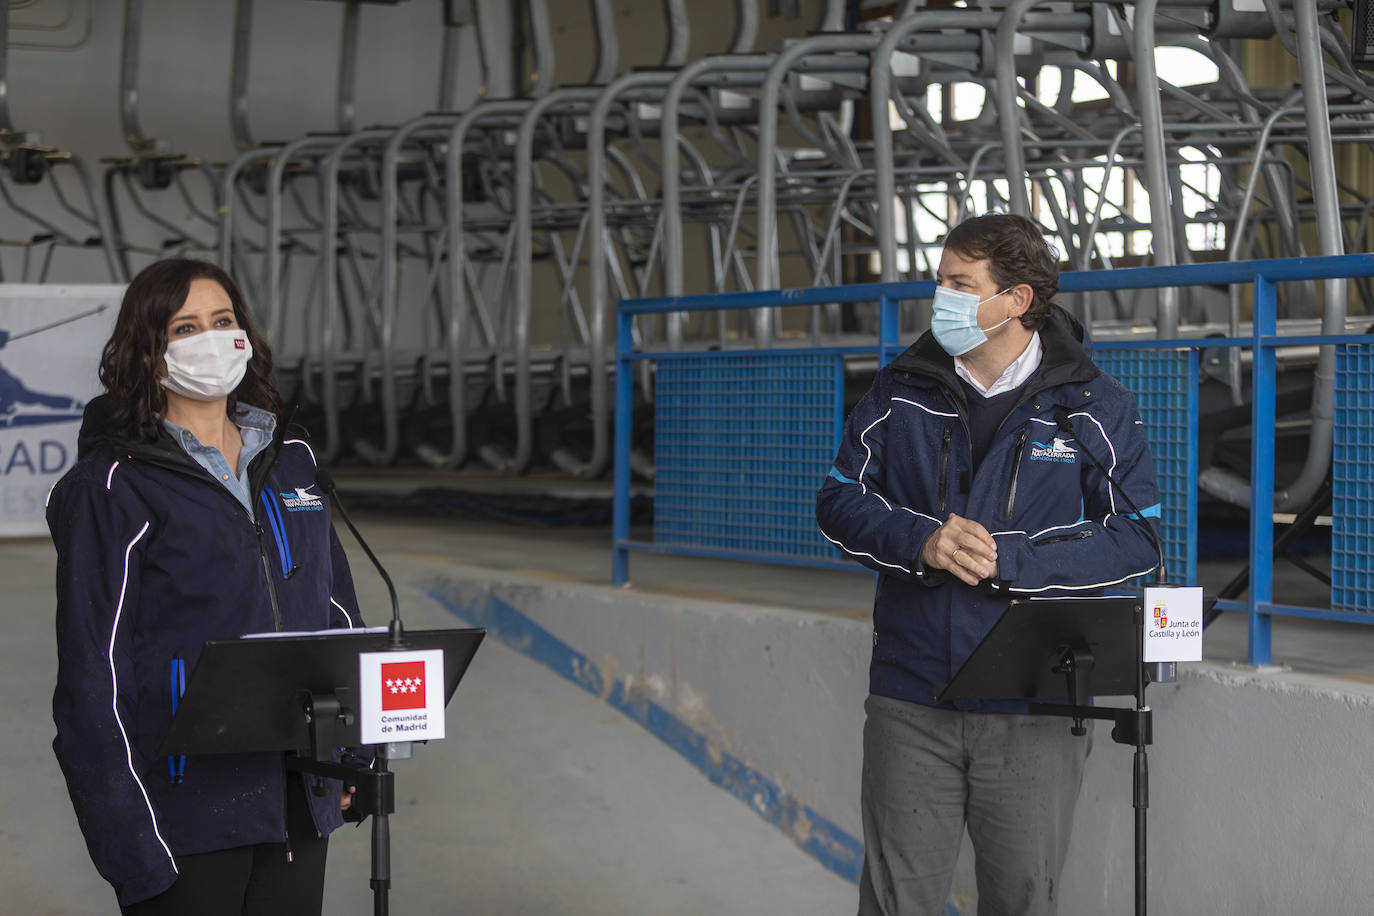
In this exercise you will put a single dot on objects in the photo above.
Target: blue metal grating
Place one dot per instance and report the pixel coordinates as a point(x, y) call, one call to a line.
point(1352, 468)
point(741, 444)
point(1164, 383)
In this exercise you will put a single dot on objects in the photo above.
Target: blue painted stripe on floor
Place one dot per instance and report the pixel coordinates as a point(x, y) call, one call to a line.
point(828, 844)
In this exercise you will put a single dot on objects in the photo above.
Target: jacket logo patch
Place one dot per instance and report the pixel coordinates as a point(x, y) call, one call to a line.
point(1058, 450)
point(302, 501)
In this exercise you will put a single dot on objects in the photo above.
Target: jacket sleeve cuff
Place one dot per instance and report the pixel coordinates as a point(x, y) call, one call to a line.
point(929, 576)
point(1009, 548)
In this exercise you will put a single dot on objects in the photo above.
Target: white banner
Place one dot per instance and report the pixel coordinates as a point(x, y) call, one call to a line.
point(50, 342)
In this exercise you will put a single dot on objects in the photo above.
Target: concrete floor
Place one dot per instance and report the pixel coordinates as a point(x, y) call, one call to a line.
point(543, 799)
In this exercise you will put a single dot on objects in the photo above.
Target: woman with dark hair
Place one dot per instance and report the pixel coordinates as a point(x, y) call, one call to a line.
point(189, 516)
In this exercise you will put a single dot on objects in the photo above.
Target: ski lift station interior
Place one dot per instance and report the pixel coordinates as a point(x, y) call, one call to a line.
point(520, 260)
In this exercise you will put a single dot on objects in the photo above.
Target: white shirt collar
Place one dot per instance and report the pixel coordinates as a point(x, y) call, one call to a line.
point(1014, 376)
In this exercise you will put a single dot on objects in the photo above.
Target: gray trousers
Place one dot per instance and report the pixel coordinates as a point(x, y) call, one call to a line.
point(928, 773)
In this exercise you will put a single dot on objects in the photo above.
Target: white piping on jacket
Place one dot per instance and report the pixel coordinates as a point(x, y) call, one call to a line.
point(881, 498)
point(936, 413)
point(114, 694)
point(307, 448)
point(1045, 588)
point(858, 553)
point(870, 454)
point(347, 616)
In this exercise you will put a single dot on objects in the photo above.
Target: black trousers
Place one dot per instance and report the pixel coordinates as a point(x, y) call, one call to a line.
point(251, 880)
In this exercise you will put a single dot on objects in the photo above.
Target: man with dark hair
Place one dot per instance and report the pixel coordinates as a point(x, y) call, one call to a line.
point(956, 483)
point(1015, 253)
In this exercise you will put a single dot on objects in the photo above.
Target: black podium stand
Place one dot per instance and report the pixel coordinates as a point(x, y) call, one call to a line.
point(293, 693)
point(1070, 650)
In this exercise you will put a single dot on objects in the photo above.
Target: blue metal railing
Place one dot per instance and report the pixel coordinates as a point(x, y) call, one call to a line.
point(1355, 544)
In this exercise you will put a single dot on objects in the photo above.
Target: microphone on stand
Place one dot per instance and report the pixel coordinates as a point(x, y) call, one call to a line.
point(381, 818)
point(325, 480)
point(1156, 672)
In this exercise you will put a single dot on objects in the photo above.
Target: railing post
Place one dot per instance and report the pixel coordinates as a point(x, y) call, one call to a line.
point(889, 332)
point(624, 418)
point(1190, 505)
point(1262, 449)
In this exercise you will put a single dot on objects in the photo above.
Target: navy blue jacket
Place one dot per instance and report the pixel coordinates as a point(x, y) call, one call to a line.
point(154, 557)
point(905, 464)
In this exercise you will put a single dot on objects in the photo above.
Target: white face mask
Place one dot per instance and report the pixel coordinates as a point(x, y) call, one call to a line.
point(207, 366)
point(954, 320)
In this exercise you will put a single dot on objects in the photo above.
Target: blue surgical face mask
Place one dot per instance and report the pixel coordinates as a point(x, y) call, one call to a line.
point(954, 321)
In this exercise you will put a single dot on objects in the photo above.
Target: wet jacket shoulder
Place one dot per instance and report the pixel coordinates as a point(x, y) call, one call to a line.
point(154, 558)
point(905, 464)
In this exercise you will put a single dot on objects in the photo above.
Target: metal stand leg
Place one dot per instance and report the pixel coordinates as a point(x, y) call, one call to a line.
point(1141, 776)
point(381, 848)
point(1131, 727)
point(1142, 804)
point(376, 791)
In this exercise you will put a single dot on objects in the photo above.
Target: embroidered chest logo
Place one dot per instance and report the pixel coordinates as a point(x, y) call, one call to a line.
point(1058, 450)
point(302, 501)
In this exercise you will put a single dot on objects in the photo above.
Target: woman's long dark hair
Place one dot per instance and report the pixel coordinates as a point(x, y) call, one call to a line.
point(132, 359)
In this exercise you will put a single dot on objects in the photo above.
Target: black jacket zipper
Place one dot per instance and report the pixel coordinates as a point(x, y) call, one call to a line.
point(1076, 536)
point(258, 470)
point(944, 471)
point(267, 571)
point(1015, 472)
point(173, 459)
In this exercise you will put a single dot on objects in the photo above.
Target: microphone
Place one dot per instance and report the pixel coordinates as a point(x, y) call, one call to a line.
point(325, 480)
point(1061, 418)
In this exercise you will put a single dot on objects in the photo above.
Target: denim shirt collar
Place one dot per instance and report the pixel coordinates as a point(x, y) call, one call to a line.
point(255, 426)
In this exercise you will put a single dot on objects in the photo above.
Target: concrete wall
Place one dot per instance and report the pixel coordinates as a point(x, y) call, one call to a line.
point(775, 691)
point(1259, 802)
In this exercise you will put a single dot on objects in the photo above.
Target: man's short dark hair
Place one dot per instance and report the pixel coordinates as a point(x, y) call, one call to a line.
point(1016, 252)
